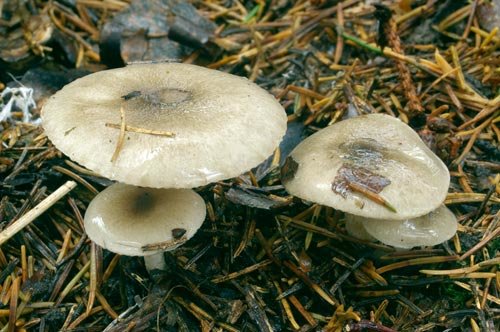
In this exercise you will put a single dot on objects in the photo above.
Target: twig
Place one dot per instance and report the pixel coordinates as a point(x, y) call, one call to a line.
point(44, 205)
point(389, 28)
point(480, 244)
point(121, 137)
point(141, 130)
point(340, 40)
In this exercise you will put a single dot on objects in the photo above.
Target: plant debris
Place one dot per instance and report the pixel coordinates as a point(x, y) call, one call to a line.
point(263, 261)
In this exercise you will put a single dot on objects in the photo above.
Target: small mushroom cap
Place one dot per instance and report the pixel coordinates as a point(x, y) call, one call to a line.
point(378, 153)
point(355, 228)
point(427, 230)
point(136, 221)
point(223, 124)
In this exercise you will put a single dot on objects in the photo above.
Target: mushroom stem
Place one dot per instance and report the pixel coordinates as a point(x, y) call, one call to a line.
point(155, 262)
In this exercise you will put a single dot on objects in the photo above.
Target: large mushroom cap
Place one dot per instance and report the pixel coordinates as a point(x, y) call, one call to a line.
point(136, 221)
point(377, 153)
point(223, 124)
point(427, 230)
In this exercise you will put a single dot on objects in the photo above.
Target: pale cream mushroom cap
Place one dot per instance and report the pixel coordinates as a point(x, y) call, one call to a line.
point(380, 148)
point(125, 219)
point(223, 124)
point(427, 230)
point(354, 227)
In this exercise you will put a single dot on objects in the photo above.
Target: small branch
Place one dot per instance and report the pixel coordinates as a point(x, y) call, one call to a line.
point(44, 205)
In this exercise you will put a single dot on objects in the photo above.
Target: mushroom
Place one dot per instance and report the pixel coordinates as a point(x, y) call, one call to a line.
point(166, 125)
point(183, 126)
point(373, 166)
point(430, 229)
point(137, 221)
point(354, 227)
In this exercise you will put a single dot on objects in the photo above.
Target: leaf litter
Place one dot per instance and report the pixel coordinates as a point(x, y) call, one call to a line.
point(263, 261)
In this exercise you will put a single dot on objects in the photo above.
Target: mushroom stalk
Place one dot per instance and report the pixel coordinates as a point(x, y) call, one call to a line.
point(155, 262)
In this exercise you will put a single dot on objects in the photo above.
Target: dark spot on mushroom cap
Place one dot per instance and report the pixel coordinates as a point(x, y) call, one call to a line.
point(67, 132)
point(363, 151)
point(161, 98)
point(289, 169)
point(177, 233)
point(131, 95)
point(142, 203)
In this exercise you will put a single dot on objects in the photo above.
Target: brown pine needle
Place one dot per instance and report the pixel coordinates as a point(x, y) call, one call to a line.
point(93, 279)
point(14, 294)
point(369, 270)
point(121, 137)
point(474, 275)
point(82, 317)
point(65, 246)
point(481, 244)
point(469, 288)
point(300, 308)
point(24, 264)
point(77, 178)
point(244, 271)
point(287, 309)
point(377, 293)
point(111, 267)
point(340, 40)
point(73, 282)
point(371, 196)
point(141, 130)
point(485, 112)
point(105, 305)
point(459, 198)
point(416, 261)
point(306, 92)
point(471, 141)
point(464, 270)
point(305, 278)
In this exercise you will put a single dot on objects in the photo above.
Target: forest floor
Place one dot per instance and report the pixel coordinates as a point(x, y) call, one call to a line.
point(263, 260)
